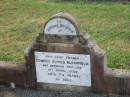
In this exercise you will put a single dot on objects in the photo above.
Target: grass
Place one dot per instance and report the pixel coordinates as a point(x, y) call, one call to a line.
point(108, 24)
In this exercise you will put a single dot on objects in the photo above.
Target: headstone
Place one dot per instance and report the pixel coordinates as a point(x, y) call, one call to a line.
point(62, 68)
point(61, 59)
point(58, 58)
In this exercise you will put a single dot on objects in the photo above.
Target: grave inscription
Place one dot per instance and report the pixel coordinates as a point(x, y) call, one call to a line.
point(63, 68)
point(60, 26)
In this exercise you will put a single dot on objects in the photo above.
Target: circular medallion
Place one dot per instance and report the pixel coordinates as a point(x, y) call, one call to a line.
point(61, 24)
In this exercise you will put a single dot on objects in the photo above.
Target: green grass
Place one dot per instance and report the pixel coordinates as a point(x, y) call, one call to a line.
point(108, 24)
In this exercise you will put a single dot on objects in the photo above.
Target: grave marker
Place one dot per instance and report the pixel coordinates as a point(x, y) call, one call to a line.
point(63, 68)
point(58, 58)
point(61, 59)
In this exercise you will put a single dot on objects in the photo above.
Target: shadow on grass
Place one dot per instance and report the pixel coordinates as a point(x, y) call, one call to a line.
point(93, 1)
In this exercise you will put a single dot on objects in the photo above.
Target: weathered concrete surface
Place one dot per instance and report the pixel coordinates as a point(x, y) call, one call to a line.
point(104, 80)
point(8, 92)
point(12, 73)
point(59, 48)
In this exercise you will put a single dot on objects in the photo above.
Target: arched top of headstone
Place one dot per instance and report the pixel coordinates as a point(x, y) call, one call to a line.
point(61, 24)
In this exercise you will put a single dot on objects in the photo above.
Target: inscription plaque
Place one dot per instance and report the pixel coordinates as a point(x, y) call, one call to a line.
point(63, 68)
point(60, 26)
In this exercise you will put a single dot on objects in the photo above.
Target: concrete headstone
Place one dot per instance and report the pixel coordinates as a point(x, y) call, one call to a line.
point(61, 59)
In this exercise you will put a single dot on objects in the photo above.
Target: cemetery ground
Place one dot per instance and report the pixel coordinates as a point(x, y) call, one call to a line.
point(108, 23)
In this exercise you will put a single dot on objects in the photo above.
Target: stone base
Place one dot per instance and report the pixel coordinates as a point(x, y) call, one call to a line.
point(8, 92)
